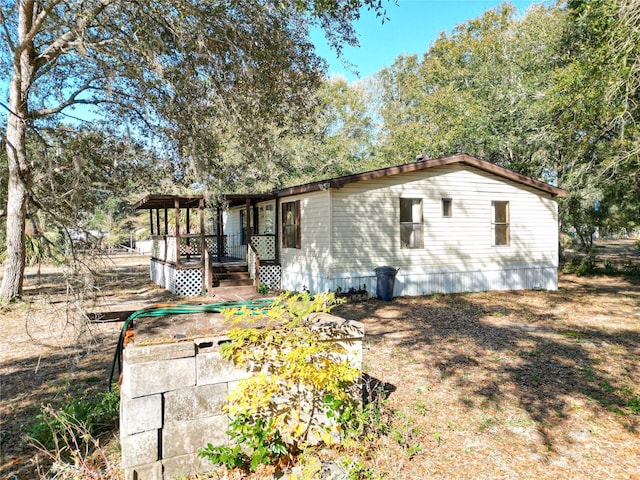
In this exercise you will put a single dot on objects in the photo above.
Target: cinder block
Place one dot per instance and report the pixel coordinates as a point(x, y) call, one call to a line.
point(142, 379)
point(164, 351)
point(212, 368)
point(353, 352)
point(336, 328)
point(139, 449)
point(140, 414)
point(195, 402)
point(144, 472)
point(185, 466)
point(184, 438)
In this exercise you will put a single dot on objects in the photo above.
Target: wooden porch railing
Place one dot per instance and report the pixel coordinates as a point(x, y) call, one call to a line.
point(164, 247)
point(261, 248)
point(253, 264)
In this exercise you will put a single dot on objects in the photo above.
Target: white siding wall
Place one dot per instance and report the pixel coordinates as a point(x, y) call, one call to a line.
point(458, 254)
point(310, 265)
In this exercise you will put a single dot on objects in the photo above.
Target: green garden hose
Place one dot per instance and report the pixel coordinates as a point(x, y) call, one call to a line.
point(161, 310)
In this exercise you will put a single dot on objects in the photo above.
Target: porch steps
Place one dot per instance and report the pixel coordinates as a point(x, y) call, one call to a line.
point(232, 275)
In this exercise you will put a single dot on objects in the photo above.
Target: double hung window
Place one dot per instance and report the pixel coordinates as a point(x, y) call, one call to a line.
point(411, 226)
point(500, 223)
point(291, 224)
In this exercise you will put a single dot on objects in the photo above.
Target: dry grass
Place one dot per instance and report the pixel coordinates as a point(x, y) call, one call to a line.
point(508, 384)
point(485, 385)
point(50, 352)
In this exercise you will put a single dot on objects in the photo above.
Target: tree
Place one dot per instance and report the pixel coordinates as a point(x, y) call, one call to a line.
point(339, 141)
point(595, 106)
point(477, 90)
point(553, 94)
point(195, 72)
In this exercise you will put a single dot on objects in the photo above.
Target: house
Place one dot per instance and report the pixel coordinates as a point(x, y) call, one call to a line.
point(451, 224)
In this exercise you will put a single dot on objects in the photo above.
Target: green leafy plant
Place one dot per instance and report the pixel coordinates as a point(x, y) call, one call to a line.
point(358, 471)
point(96, 414)
point(76, 453)
point(406, 434)
point(414, 450)
point(254, 435)
point(263, 289)
point(634, 405)
point(71, 438)
point(302, 388)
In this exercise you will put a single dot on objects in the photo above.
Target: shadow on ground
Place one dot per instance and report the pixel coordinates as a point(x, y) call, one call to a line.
point(498, 347)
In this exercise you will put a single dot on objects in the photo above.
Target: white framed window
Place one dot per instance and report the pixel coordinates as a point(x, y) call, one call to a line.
point(291, 224)
point(411, 226)
point(500, 223)
point(447, 207)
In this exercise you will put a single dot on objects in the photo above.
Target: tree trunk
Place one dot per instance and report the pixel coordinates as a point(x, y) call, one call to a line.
point(16, 207)
point(15, 261)
point(19, 170)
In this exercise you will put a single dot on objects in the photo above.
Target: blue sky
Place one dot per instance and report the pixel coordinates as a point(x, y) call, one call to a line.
point(412, 26)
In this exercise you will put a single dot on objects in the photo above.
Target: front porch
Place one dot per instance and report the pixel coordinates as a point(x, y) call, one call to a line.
point(195, 264)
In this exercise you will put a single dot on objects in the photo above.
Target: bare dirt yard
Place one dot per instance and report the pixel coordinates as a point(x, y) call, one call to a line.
point(509, 385)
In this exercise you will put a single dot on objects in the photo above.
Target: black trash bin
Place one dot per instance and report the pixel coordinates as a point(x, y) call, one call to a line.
point(386, 278)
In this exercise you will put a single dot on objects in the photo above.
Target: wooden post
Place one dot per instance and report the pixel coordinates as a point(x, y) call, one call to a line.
point(176, 208)
point(166, 221)
point(220, 232)
point(151, 221)
point(256, 221)
point(248, 217)
point(166, 234)
point(203, 247)
point(188, 233)
point(158, 220)
point(276, 230)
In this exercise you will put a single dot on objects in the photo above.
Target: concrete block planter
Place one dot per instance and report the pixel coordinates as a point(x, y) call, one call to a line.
point(173, 397)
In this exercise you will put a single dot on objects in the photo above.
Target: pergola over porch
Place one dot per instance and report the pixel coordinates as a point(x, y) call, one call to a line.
point(191, 263)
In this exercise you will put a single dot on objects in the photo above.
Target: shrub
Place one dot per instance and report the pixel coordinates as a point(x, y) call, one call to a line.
point(256, 436)
point(580, 266)
point(96, 414)
point(299, 380)
point(70, 438)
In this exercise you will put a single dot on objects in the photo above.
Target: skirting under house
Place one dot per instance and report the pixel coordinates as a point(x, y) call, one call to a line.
point(525, 277)
point(185, 282)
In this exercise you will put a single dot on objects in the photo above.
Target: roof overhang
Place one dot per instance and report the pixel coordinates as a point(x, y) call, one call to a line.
point(160, 201)
point(424, 163)
point(156, 201)
point(237, 200)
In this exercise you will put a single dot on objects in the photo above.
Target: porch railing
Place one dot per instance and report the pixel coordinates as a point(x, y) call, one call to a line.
point(164, 247)
point(265, 245)
point(262, 248)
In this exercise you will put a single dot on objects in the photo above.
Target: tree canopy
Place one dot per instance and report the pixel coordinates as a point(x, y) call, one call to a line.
point(187, 76)
point(107, 98)
point(552, 94)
